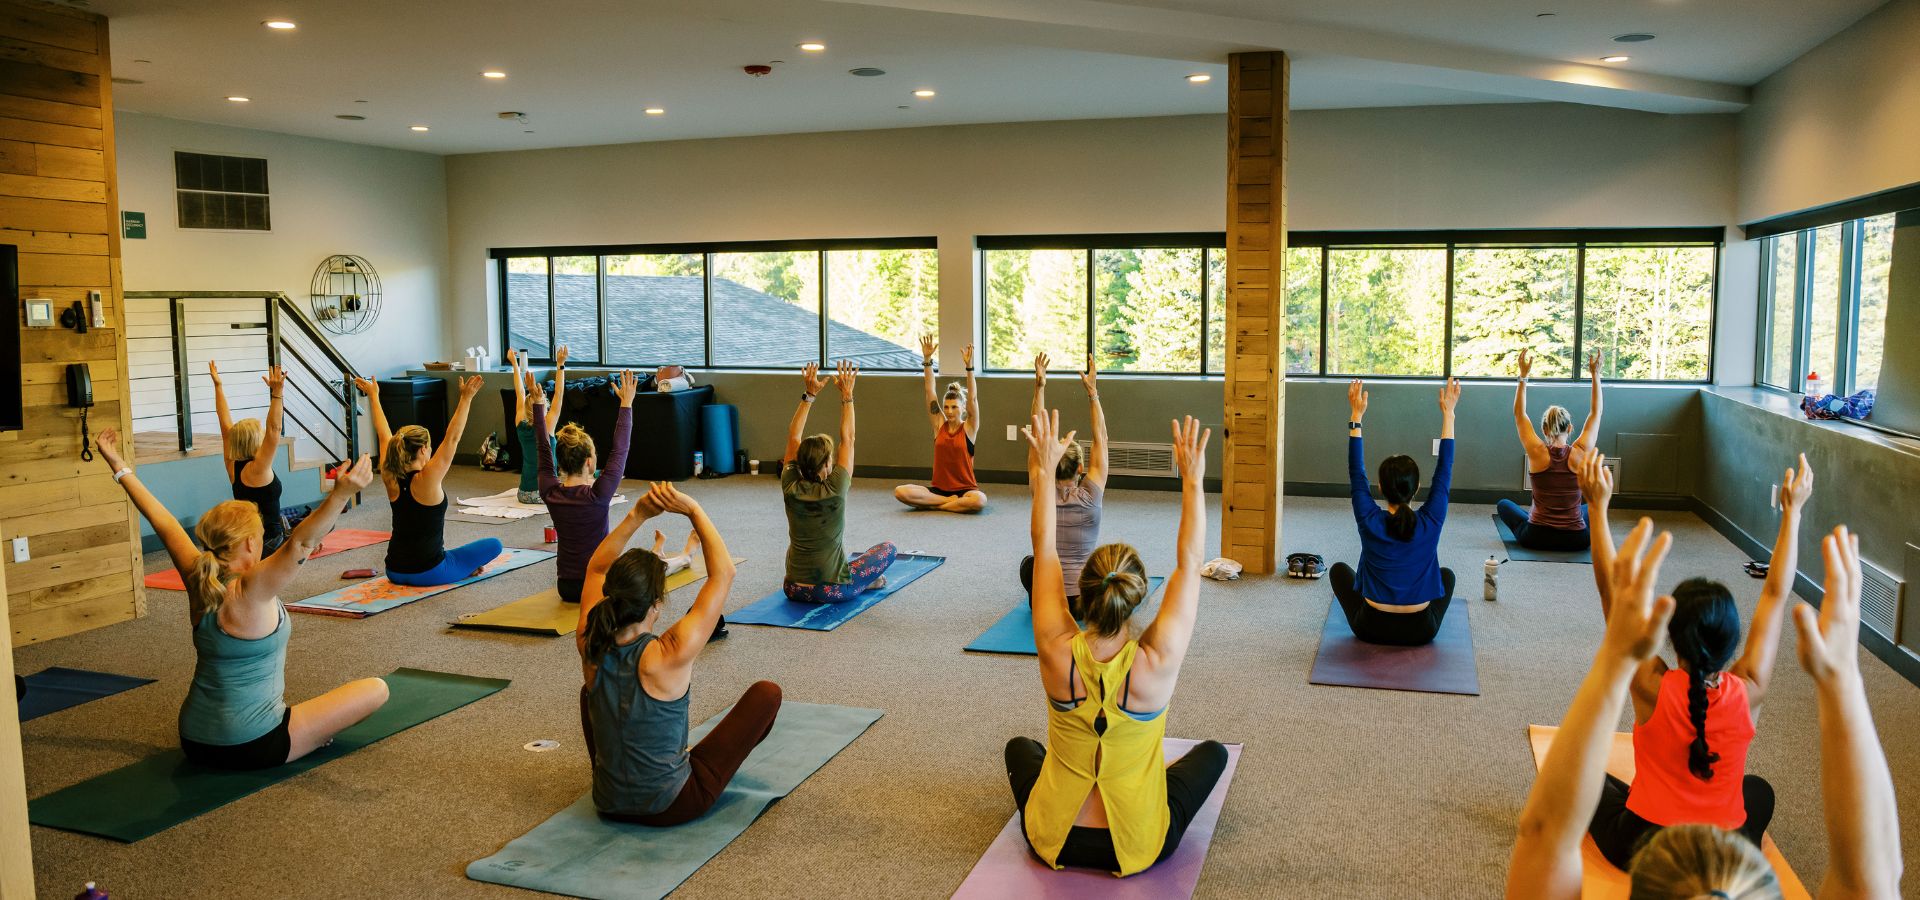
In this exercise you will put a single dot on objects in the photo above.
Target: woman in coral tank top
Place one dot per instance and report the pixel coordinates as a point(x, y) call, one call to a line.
point(956, 424)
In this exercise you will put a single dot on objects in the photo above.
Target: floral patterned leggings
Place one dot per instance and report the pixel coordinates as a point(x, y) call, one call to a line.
point(867, 567)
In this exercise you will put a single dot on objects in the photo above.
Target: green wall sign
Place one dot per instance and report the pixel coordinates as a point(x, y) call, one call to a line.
point(133, 225)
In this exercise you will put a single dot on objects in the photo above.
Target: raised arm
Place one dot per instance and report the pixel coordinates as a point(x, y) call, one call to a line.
point(220, 402)
point(593, 585)
point(1590, 432)
point(442, 460)
point(262, 461)
point(1039, 404)
point(1441, 486)
point(1546, 855)
point(378, 416)
point(559, 379)
point(973, 397)
point(1530, 441)
point(1755, 664)
point(844, 453)
point(1052, 621)
point(1596, 484)
point(548, 477)
point(614, 467)
point(927, 347)
point(797, 426)
point(1165, 641)
point(1356, 451)
point(273, 573)
point(1856, 789)
point(179, 546)
point(519, 360)
point(1097, 459)
point(683, 642)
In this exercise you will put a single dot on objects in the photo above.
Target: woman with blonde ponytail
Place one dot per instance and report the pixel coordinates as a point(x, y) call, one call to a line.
point(1099, 793)
point(249, 449)
point(413, 472)
point(1080, 484)
point(235, 715)
point(955, 417)
point(1557, 520)
point(639, 677)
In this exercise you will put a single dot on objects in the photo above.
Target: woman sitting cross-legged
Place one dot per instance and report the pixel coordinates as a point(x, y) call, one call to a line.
point(1399, 593)
point(1100, 794)
point(576, 499)
point(250, 448)
point(236, 715)
point(955, 417)
point(523, 429)
point(814, 480)
point(639, 677)
point(1080, 485)
point(1557, 520)
point(414, 472)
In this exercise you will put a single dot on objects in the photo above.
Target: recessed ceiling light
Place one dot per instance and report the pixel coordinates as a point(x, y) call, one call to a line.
point(279, 24)
point(493, 73)
point(1615, 58)
point(923, 93)
point(349, 117)
point(417, 127)
point(1199, 78)
point(239, 99)
point(656, 111)
point(1632, 38)
point(813, 46)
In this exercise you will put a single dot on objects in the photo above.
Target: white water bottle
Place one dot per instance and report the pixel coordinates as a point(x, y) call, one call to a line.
point(699, 462)
point(1492, 588)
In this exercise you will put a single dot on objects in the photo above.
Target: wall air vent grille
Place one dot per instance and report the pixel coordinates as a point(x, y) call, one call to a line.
point(1130, 458)
point(1880, 599)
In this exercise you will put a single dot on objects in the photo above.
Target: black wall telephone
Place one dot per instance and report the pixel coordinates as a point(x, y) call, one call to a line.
point(80, 394)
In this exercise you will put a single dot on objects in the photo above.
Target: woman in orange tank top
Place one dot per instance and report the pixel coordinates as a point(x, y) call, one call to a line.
point(956, 424)
point(1694, 722)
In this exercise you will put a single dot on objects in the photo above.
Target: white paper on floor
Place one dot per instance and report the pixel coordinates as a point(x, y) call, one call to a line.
point(498, 505)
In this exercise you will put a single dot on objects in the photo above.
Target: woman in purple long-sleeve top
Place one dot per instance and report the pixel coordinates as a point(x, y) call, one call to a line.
point(575, 499)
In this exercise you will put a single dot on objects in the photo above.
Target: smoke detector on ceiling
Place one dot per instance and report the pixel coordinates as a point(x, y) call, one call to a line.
point(757, 69)
point(866, 72)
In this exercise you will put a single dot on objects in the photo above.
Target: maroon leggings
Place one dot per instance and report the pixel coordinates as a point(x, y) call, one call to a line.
point(715, 758)
point(866, 568)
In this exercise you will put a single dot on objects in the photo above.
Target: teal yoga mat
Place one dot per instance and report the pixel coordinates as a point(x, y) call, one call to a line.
point(1014, 632)
point(57, 688)
point(162, 791)
point(579, 854)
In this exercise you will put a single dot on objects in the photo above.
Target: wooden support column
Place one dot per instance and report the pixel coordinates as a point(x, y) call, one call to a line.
point(1251, 472)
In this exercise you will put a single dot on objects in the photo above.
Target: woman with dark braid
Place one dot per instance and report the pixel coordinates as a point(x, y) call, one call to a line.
point(1693, 722)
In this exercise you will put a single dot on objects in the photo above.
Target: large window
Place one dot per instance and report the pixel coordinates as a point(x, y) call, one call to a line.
point(1824, 305)
point(1386, 310)
point(724, 305)
point(1506, 299)
point(1649, 312)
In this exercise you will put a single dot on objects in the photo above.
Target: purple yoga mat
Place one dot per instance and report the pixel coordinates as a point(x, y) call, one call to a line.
point(1008, 868)
point(1442, 667)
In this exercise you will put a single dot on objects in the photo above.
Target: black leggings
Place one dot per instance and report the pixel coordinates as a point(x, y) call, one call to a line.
point(1398, 629)
point(569, 588)
point(1620, 833)
point(1189, 780)
point(1539, 537)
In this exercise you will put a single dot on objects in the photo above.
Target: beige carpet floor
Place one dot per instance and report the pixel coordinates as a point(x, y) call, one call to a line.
point(1341, 792)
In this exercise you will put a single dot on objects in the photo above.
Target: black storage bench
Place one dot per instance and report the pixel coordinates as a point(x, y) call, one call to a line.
point(666, 427)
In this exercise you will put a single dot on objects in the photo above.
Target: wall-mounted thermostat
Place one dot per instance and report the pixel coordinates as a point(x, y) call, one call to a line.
point(39, 313)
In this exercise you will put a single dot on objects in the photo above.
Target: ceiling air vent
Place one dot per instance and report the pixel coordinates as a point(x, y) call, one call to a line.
point(221, 193)
point(866, 72)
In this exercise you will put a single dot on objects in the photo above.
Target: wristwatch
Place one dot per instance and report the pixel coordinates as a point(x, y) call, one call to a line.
point(1353, 426)
point(806, 397)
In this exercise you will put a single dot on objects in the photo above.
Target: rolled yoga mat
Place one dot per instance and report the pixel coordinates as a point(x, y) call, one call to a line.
point(775, 609)
point(1014, 632)
point(1008, 869)
point(377, 594)
point(54, 689)
point(1599, 879)
point(546, 614)
point(162, 791)
point(337, 541)
point(1523, 554)
point(1443, 667)
point(579, 854)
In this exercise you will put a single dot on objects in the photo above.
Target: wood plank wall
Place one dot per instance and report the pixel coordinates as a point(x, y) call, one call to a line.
point(1252, 474)
point(59, 205)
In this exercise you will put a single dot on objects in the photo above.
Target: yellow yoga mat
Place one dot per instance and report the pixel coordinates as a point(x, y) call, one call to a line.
point(1600, 880)
point(545, 613)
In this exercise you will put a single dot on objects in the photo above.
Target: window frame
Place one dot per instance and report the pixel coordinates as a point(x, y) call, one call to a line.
point(706, 251)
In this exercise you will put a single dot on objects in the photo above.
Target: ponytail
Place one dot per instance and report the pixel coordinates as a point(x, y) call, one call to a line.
point(1112, 584)
point(1702, 861)
point(1700, 758)
point(402, 447)
point(634, 585)
point(220, 530)
point(1704, 631)
point(1399, 481)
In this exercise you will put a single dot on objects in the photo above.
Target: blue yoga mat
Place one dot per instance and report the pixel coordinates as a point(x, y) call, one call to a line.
point(52, 690)
point(579, 854)
point(1526, 554)
point(1014, 632)
point(775, 609)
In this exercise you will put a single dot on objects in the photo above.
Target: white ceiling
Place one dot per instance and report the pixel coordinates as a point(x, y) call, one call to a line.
point(583, 70)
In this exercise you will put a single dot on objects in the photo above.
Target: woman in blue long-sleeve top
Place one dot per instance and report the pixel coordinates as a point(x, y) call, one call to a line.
point(1400, 593)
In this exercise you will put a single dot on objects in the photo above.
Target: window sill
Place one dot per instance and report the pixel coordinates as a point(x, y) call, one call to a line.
point(1787, 405)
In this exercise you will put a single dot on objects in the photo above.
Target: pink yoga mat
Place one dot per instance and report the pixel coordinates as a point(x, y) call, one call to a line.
point(339, 541)
point(1008, 868)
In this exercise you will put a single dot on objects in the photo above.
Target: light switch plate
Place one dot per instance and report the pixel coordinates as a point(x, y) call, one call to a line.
point(1013, 432)
point(1436, 446)
point(39, 313)
point(20, 553)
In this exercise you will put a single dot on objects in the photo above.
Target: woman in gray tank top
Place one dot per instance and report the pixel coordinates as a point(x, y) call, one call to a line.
point(235, 715)
point(1557, 520)
point(1080, 485)
point(639, 679)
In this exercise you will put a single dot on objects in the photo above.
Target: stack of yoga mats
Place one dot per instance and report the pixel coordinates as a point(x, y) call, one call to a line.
point(579, 854)
point(776, 610)
point(377, 595)
point(162, 791)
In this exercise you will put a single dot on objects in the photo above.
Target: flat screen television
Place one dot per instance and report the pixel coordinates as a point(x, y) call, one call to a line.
point(12, 416)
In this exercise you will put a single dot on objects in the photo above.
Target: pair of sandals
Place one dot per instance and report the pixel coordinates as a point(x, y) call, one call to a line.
point(1305, 565)
point(1758, 569)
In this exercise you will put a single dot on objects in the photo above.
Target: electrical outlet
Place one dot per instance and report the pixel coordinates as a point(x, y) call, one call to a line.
point(20, 553)
point(1013, 432)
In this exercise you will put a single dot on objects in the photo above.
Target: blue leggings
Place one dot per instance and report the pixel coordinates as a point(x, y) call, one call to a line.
point(454, 566)
point(866, 568)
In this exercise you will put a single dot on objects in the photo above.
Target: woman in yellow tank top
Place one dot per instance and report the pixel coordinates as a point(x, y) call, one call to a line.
point(1100, 794)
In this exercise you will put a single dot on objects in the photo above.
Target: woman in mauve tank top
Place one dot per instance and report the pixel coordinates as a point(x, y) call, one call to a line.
point(1693, 721)
point(956, 425)
point(1557, 520)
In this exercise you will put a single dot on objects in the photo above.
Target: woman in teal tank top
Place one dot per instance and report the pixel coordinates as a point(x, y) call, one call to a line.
point(235, 715)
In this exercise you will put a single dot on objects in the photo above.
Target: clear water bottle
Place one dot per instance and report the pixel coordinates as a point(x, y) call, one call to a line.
point(699, 462)
point(91, 893)
point(1816, 386)
point(1491, 590)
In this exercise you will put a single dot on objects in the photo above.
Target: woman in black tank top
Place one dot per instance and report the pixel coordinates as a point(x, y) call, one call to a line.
point(249, 448)
point(412, 471)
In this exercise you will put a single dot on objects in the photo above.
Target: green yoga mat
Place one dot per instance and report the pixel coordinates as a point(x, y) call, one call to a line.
point(162, 791)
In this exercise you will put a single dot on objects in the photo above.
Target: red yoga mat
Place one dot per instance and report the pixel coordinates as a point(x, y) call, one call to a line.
point(339, 541)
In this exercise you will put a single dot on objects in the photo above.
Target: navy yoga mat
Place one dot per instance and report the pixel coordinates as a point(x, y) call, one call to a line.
point(52, 690)
point(1442, 667)
point(579, 854)
point(1014, 632)
point(775, 609)
point(1523, 554)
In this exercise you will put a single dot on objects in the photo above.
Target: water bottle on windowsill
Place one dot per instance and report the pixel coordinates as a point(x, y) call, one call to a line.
point(1816, 387)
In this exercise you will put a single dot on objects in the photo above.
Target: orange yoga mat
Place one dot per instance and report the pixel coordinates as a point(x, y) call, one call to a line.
point(1601, 881)
point(339, 541)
